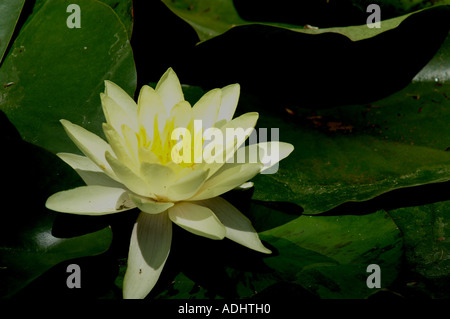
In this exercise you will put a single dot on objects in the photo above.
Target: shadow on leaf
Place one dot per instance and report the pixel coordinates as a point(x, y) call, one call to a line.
point(404, 197)
point(29, 244)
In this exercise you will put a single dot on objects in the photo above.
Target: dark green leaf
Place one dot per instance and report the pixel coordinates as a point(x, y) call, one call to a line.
point(397, 6)
point(330, 255)
point(291, 69)
point(58, 72)
point(313, 256)
point(438, 69)
point(9, 15)
point(211, 18)
point(124, 9)
point(426, 231)
point(355, 153)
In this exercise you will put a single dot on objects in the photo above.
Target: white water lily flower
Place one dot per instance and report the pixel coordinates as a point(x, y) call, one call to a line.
point(134, 168)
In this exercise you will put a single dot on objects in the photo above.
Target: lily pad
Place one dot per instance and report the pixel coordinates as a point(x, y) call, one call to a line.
point(426, 231)
point(330, 255)
point(313, 256)
point(400, 6)
point(9, 15)
point(327, 14)
point(438, 69)
point(316, 71)
point(212, 18)
point(57, 72)
point(355, 153)
point(124, 9)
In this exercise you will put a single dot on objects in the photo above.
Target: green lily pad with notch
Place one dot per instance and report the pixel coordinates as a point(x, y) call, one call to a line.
point(56, 72)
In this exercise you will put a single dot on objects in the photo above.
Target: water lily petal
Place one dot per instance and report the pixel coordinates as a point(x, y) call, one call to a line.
point(230, 176)
point(187, 186)
point(149, 105)
point(182, 114)
point(207, 108)
point(146, 155)
point(90, 200)
point(276, 152)
point(158, 177)
point(242, 127)
point(116, 115)
point(245, 186)
point(126, 175)
point(169, 90)
point(266, 153)
point(117, 143)
point(79, 162)
point(88, 171)
point(131, 141)
point(179, 171)
point(238, 227)
point(90, 144)
point(197, 219)
point(149, 248)
point(243, 124)
point(121, 98)
point(148, 205)
point(230, 97)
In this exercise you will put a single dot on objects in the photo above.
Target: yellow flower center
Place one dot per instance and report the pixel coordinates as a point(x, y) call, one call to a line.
point(163, 143)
